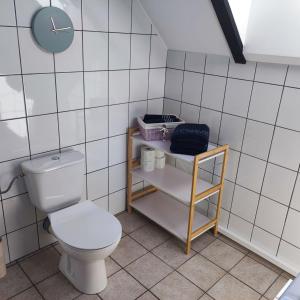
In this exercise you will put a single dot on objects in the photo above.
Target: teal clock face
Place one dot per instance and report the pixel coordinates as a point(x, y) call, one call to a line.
point(52, 28)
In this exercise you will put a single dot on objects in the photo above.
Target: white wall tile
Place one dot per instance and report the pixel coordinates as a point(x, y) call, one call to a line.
point(26, 10)
point(293, 77)
point(251, 172)
point(212, 119)
point(295, 203)
point(71, 127)
point(119, 87)
point(284, 150)
point(265, 241)
point(94, 130)
point(138, 85)
point(224, 215)
point(7, 13)
point(136, 109)
point(278, 184)
point(9, 58)
point(289, 254)
point(155, 106)
point(140, 22)
point(5, 248)
point(102, 203)
point(216, 65)
point(240, 227)
point(117, 177)
point(192, 88)
point(119, 51)
point(291, 225)
point(140, 51)
point(34, 59)
point(19, 212)
point(213, 92)
point(175, 59)
point(11, 97)
point(288, 113)
point(96, 88)
point(43, 133)
point(95, 50)
point(117, 202)
point(265, 102)
point(118, 119)
point(257, 140)
point(97, 155)
point(158, 52)
point(69, 91)
point(95, 15)
point(195, 62)
point(14, 133)
point(189, 113)
point(271, 216)
point(242, 71)
point(37, 101)
point(117, 149)
point(232, 166)
point(232, 130)
point(2, 226)
point(245, 203)
point(271, 73)
point(156, 83)
point(174, 80)
point(120, 15)
point(97, 184)
point(22, 242)
point(171, 107)
point(227, 193)
point(70, 60)
point(237, 97)
point(45, 238)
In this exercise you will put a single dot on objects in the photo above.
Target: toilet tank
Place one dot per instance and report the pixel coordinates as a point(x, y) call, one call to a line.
point(55, 181)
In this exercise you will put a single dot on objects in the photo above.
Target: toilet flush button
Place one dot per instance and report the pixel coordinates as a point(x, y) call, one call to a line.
point(55, 157)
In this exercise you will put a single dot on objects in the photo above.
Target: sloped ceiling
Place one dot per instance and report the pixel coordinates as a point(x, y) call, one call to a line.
point(188, 25)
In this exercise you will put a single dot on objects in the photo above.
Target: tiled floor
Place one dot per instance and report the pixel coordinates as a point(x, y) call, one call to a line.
point(149, 264)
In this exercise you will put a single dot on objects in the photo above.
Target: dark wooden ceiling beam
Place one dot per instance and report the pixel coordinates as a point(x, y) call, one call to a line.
point(228, 25)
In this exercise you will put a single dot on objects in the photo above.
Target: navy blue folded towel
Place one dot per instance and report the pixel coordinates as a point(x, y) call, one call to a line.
point(190, 139)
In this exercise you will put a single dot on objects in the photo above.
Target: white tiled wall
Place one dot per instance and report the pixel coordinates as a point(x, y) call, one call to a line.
point(85, 98)
point(255, 109)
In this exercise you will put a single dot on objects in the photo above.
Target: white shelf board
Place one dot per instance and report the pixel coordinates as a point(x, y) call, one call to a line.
point(172, 215)
point(165, 147)
point(173, 182)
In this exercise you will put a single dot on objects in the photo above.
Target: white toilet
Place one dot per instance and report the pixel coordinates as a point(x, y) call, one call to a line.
point(87, 233)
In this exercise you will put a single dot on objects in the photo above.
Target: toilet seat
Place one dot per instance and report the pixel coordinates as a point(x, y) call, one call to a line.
point(85, 226)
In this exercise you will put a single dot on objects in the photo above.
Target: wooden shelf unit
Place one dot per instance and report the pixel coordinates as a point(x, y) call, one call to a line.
point(171, 199)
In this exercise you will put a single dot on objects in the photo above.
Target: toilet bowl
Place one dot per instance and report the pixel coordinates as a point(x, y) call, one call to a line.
point(87, 233)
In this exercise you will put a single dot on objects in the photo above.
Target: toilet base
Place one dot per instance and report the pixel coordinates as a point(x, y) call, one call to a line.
point(87, 277)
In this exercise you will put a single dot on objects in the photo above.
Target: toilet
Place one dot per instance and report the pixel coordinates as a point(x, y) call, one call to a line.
point(86, 233)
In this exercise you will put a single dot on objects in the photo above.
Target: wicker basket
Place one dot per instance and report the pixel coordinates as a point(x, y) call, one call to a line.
point(157, 131)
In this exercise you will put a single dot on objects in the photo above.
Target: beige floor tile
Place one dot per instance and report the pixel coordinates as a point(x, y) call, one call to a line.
point(88, 297)
point(147, 296)
point(254, 274)
point(30, 294)
point(232, 243)
point(121, 286)
point(176, 287)
point(111, 266)
point(131, 222)
point(201, 272)
point(57, 287)
point(150, 236)
point(172, 252)
point(13, 283)
point(275, 288)
point(265, 262)
point(206, 297)
point(222, 254)
point(58, 248)
point(202, 241)
point(127, 251)
point(41, 265)
point(229, 288)
point(149, 270)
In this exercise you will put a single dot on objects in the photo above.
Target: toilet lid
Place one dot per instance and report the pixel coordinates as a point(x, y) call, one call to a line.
point(85, 226)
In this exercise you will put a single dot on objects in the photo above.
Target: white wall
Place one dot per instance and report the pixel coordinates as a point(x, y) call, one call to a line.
point(187, 25)
point(241, 13)
point(273, 31)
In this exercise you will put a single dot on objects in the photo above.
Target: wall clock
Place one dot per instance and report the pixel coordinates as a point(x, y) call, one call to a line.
point(52, 29)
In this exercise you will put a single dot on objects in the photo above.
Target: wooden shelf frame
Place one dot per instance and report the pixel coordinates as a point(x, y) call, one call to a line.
point(195, 197)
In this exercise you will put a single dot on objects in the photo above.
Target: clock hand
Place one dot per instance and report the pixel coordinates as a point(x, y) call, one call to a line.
point(62, 29)
point(52, 21)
